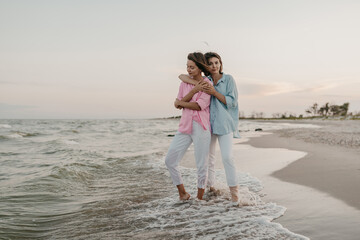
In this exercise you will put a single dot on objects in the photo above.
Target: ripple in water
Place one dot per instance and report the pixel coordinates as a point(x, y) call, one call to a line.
point(106, 179)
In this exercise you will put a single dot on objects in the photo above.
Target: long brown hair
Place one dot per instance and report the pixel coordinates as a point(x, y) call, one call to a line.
point(199, 59)
point(209, 55)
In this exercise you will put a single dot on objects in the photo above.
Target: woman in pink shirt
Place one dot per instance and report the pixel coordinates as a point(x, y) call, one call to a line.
point(194, 126)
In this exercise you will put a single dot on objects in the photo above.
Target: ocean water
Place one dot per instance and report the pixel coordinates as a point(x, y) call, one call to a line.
point(106, 179)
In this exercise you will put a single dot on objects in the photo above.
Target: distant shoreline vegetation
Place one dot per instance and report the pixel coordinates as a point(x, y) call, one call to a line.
point(327, 111)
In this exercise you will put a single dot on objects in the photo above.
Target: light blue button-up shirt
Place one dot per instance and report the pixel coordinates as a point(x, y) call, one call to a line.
point(224, 119)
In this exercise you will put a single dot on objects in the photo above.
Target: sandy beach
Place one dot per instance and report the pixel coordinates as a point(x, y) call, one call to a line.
point(313, 172)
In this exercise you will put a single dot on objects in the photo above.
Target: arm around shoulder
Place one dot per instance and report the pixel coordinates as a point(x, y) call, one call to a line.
point(185, 78)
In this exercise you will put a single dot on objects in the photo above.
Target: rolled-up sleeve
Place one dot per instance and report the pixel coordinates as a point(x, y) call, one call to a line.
point(180, 93)
point(231, 94)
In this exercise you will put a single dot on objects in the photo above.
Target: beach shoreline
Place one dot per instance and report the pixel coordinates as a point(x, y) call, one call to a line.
point(334, 170)
point(313, 172)
point(319, 191)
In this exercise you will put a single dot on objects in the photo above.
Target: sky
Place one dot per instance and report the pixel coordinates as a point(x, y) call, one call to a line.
point(121, 59)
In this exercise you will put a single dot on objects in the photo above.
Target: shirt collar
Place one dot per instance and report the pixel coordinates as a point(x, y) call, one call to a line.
point(222, 79)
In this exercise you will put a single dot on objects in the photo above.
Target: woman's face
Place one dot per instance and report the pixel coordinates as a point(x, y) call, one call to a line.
point(192, 69)
point(214, 64)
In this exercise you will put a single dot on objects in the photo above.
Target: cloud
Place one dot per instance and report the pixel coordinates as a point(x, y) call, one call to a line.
point(266, 89)
point(262, 89)
point(13, 107)
point(8, 111)
point(320, 87)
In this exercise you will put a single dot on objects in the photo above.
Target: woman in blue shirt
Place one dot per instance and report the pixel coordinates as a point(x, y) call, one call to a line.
point(224, 120)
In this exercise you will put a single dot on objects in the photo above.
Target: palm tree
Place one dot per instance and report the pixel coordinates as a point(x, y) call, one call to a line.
point(334, 109)
point(312, 109)
point(324, 110)
point(344, 109)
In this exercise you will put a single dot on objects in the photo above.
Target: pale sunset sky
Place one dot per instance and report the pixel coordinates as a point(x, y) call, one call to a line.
point(121, 59)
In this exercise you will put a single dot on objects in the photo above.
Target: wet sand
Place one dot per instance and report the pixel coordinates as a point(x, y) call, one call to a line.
point(331, 169)
point(314, 173)
point(321, 190)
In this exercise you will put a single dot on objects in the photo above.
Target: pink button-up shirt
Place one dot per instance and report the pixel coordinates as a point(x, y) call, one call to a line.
point(188, 116)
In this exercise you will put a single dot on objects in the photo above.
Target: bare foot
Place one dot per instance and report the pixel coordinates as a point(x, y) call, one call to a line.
point(184, 197)
point(214, 191)
point(200, 193)
point(234, 194)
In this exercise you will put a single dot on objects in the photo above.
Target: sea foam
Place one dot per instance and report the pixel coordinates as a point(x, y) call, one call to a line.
point(216, 217)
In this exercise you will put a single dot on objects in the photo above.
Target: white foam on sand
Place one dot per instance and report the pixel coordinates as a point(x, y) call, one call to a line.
point(254, 166)
point(70, 142)
point(216, 217)
point(263, 200)
point(15, 135)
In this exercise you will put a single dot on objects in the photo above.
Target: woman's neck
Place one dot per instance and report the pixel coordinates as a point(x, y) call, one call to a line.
point(216, 77)
point(198, 78)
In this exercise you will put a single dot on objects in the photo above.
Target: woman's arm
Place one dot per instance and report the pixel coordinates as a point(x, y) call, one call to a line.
point(190, 105)
point(231, 96)
point(201, 103)
point(185, 78)
point(209, 89)
point(231, 93)
point(184, 103)
point(198, 87)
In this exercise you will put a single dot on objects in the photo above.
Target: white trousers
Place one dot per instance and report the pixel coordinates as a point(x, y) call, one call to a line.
point(179, 145)
point(225, 142)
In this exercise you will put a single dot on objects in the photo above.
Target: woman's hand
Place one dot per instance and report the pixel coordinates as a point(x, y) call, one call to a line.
point(209, 89)
point(177, 104)
point(199, 86)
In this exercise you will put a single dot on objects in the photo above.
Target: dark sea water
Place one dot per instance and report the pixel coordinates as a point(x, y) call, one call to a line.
point(106, 179)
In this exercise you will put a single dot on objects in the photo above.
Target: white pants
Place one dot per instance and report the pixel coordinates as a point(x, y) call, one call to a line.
point(225, 142)
point(178, 147)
